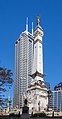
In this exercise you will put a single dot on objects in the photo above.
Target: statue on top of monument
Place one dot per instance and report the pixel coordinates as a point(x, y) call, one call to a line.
point(38, 20)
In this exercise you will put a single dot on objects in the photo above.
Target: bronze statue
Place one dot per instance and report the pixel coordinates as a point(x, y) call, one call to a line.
point(38, 20)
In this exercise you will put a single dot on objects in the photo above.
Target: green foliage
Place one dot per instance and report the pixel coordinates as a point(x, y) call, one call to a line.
point(39, 114)
point(5, 76)
point(5, 80)
point(14, 115)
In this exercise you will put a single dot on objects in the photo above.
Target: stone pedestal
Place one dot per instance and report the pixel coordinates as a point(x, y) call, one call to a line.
point(25, 111)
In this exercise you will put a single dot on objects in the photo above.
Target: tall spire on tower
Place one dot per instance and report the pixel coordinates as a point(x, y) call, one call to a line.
point(32, 28)
point(27, 24)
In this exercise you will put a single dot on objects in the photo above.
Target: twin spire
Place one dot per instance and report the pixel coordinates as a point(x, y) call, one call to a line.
point(38, 23)
point(27, 25)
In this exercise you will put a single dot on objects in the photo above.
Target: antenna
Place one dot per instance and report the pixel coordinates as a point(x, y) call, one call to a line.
point(32, 28)
point(27, 24)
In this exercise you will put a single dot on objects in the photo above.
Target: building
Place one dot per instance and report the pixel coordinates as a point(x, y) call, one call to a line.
point(37, 93)
point(55, 100)
point(23, 66)
point(58, 86)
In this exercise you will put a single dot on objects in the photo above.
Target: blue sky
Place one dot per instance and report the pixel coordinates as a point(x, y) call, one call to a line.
point(13, 15)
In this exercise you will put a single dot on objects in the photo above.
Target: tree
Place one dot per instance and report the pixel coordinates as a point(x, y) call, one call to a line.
point(5, 80)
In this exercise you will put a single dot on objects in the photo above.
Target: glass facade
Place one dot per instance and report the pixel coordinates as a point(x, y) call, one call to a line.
point(23, 67)
point(55, 100)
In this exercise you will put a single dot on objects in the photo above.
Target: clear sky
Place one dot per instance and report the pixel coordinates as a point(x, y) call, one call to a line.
point(13, 15)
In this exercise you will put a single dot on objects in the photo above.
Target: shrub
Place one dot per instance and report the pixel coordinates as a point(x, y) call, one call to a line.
point(13, 115)
point(39, 114)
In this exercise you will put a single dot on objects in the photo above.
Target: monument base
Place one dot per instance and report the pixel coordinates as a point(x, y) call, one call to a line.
point(25, 116)
point(25, 111)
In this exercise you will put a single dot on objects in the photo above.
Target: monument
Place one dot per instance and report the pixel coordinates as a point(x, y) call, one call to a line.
point(37, 93)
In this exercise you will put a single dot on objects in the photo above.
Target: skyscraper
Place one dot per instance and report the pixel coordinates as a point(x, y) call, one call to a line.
point(23, 66)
